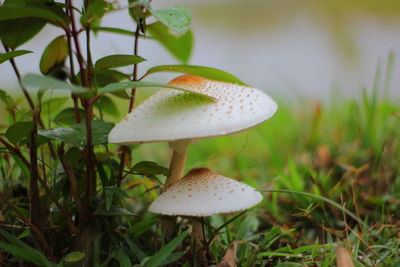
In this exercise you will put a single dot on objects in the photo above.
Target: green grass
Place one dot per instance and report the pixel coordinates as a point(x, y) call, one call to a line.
point(329, 173)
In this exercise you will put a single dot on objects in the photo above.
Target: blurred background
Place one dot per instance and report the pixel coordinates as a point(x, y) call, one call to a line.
point(291, 48)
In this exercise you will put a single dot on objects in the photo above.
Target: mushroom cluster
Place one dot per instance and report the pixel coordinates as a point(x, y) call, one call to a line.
point(180, 118)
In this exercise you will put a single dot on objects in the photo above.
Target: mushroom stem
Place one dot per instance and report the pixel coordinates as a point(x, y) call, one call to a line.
point(178, 161)
point(198, 233)
point(200, 241)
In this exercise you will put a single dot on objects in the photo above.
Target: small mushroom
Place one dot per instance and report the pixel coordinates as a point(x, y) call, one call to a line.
point(202, 192)
point(180, 117)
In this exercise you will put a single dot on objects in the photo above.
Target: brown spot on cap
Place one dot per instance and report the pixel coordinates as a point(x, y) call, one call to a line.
point(199, 171)
point(185, 79)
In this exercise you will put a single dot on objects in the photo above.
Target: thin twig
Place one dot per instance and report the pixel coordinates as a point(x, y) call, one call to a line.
point(124, 149)
point(90, 164)
point(76, 42)
point(135, 68)
point(35, 208)
point(72, 68)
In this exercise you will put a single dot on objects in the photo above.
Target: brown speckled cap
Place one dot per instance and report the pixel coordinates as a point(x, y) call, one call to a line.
point(171, 115)
point(202, 192)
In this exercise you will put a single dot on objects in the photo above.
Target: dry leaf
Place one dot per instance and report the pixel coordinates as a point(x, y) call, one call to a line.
point(229, 259)
point(343, 257)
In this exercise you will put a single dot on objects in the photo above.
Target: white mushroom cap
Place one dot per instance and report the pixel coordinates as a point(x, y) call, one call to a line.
point(171, 115)
point(202, 192)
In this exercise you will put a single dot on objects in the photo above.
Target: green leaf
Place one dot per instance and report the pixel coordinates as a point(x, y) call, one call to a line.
point(177, 18)
point(46, 83)
point(116, 61)
point(122, 258)
point(114, 211)
point(179, 46)
point(136, 11)
point(136, 251)
point(52, 105)
point(104, 77)
point(107, 105)
point(19, 12)
point(289, 264)
point(21, 250)
point(25, 233)
point(19, 132)
point(74, 156)
point(25, 254)
point(247, 228)
point(6, 99)
point(150, 167)
point(67, 116)
point(100, 129)
point(146, 221)
point(68, 135)
point(94, 12)
point(113, 30)
point(174, 257)
point(205, 72)
point(116, 87)
point(54, 55)
point(76, 134)
point(74, 256)
point(7, 56)
point(121, 94)
point(15, 32)
point(165, 252)
point(110, 192)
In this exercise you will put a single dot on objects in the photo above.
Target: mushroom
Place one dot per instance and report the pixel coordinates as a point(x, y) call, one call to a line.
point(179, 117)
point(202, 192)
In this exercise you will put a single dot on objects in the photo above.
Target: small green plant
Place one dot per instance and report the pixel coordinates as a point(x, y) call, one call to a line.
point(67, 156)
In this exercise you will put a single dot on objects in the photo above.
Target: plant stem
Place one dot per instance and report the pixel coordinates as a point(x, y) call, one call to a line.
point(89, 73)
point(90, 164)
point(72, 67)
point(35, 209)
point(91, 175)
point(135, 68)
point(76, 42)
point(124, 149)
